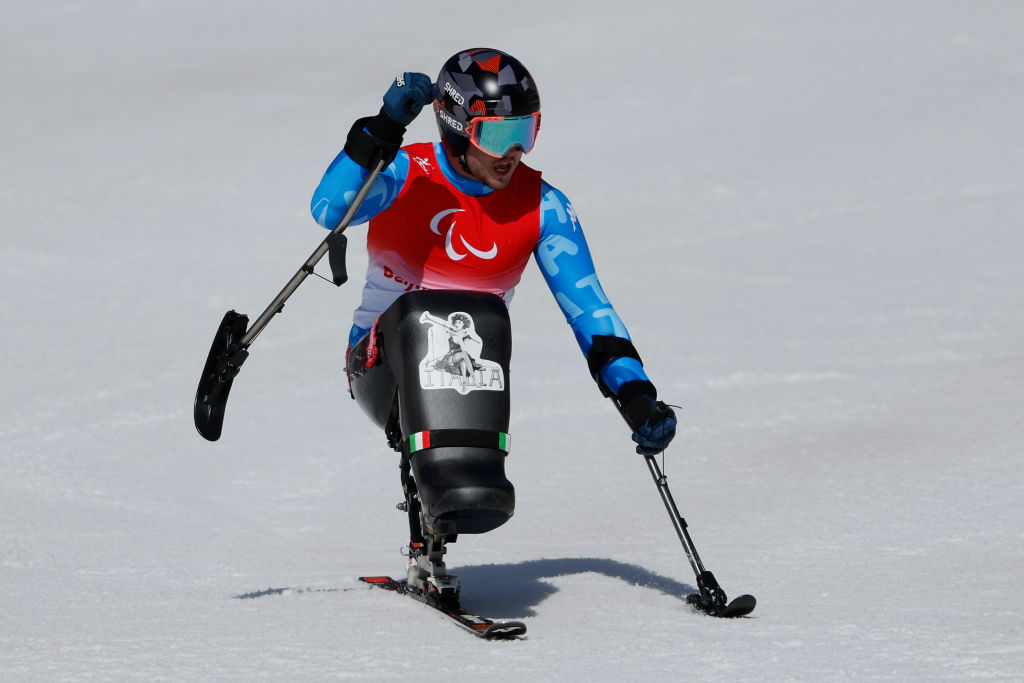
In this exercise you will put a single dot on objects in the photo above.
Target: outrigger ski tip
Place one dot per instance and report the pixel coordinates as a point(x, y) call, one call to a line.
point(738, 607)
point(230, 345)
point(227, 353)
point(711, 599)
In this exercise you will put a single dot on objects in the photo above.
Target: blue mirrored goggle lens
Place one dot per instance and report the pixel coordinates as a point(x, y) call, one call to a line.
point(497, 137)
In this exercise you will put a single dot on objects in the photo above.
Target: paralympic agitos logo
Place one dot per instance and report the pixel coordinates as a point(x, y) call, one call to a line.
point(449, 245)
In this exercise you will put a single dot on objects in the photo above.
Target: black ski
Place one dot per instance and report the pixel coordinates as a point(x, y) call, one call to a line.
point(482, 627)
point(711, 599)
point(739, 607)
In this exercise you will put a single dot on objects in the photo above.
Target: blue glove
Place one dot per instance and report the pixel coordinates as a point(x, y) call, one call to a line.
point(656, 424)
point(407, 95)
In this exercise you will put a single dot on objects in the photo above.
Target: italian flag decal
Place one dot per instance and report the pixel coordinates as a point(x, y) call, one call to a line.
point(419, 441)
point(442, 438)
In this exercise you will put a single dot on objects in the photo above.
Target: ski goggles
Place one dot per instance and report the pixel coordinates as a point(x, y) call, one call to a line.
point(496, 135)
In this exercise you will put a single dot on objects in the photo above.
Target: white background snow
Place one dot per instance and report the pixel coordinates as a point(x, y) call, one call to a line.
point(808, 214)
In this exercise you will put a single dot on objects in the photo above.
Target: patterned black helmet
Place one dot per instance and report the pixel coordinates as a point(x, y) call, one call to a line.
point(483, 82)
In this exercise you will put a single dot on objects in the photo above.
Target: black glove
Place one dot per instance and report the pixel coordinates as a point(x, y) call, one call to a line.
point(653, 422)
point(408, 94)
point(379, 137)
point(657, 424)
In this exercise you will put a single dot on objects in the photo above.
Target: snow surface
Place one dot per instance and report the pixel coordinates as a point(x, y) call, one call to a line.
point(809, 215)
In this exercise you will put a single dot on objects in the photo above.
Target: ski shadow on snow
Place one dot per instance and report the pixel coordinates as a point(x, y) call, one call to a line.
point(514, 590)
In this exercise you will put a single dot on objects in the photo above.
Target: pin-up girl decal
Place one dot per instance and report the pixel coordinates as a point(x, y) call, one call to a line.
point(453, 356)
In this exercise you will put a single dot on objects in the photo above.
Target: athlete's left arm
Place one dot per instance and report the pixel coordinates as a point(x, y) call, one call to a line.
point(564, 259)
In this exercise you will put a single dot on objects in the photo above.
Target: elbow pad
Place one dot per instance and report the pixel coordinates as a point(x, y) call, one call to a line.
point(374, 138)
point(604, 349)
point(635, 397)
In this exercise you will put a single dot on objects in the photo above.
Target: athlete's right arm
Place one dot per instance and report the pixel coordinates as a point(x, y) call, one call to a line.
point(371, 140)
point(341, 183)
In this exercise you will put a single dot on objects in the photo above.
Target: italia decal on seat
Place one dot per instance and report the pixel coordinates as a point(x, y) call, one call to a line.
point(453, 357)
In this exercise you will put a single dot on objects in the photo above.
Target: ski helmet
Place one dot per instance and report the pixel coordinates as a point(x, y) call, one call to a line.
point(483, 82)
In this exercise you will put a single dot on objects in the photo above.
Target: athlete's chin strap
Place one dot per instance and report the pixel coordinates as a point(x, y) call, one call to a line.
point(461, 158)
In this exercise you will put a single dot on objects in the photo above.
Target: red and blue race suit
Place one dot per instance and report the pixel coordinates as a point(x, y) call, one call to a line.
point(433, 228)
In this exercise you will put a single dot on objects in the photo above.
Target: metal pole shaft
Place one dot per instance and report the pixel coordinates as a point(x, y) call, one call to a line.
point(673, 512)
point(278, 303)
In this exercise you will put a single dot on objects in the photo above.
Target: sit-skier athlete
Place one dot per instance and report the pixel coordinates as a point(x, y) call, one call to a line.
point(451, 228)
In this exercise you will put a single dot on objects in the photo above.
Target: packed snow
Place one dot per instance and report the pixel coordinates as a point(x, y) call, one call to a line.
point(808, 214)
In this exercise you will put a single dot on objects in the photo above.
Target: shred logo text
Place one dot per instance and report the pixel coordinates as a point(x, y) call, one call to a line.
point(447, 118)
point(453, 357)
point(455, 94)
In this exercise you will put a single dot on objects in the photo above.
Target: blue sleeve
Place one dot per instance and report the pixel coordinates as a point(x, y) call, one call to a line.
point(341, 183)
point(564, 259)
